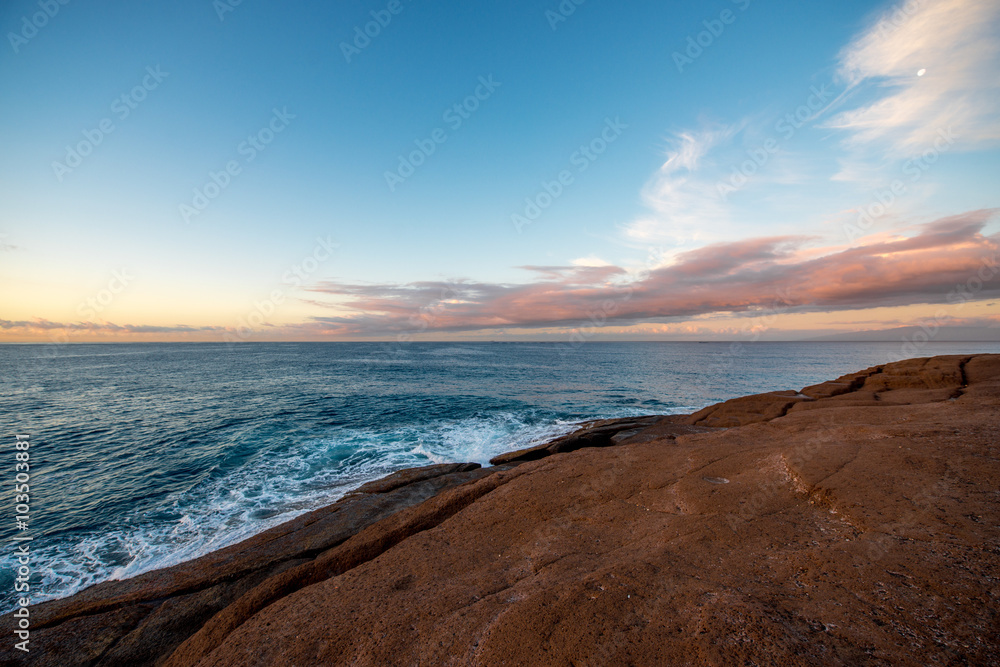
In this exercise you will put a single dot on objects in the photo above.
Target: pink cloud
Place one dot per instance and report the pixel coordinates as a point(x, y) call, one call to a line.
point(725, 277)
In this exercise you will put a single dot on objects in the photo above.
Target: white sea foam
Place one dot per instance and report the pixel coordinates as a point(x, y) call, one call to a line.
point(273, 487)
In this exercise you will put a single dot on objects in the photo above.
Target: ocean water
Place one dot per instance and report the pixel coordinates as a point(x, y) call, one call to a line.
point(147, 455)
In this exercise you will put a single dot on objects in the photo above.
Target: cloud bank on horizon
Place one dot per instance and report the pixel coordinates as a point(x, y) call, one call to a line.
point(948, 261)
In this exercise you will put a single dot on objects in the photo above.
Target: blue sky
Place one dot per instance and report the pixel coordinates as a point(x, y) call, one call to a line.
point(651, 197)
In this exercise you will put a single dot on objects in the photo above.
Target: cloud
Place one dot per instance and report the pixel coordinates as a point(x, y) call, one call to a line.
point(683, 203)
point(45, 326)
point(948, 261)
point(956, 44)
point(885, 113)
point(736, 277)
point(590, 260)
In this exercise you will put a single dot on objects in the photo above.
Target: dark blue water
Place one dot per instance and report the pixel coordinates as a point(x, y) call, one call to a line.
point(147, 455)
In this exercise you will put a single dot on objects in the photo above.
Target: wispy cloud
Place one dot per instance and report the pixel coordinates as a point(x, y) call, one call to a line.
point(720, 278)
point(46, 326)
point(4, 246)
point(922, 73)
point(931, 64)
point(590, 260)
point(683, 203)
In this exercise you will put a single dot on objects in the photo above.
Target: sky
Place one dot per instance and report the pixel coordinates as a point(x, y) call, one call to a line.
point(522, 170)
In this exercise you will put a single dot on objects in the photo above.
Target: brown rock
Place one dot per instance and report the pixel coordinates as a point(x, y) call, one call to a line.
point(140, 621)
point(747, 409)
point(854, 523)
point(603, 433)
point(77, 641)
point(412, 475)
point(834, 536)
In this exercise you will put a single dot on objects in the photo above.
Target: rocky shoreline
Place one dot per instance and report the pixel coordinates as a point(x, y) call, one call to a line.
point(854, 522)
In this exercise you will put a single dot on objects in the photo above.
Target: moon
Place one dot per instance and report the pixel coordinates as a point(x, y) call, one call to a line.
point(922, 72)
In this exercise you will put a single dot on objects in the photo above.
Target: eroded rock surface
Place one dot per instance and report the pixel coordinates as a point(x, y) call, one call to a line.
point(856, 522)
point(141, 621)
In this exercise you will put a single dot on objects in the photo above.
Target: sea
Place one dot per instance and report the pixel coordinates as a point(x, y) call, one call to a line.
point(147, 455)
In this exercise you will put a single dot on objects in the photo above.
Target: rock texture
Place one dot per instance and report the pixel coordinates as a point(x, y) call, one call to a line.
point(605, 433)
point(855, 522)
point(141, 621)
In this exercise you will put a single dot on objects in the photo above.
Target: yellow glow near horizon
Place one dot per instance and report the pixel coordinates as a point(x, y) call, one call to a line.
point(728, 327)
